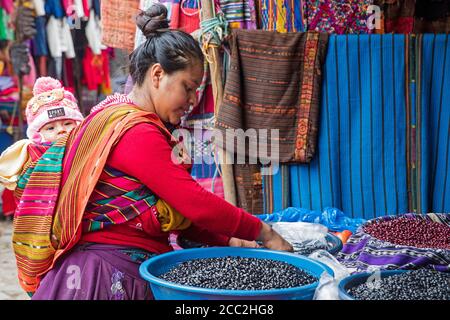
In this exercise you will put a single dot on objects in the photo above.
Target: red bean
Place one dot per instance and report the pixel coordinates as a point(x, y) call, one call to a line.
point(415, 232)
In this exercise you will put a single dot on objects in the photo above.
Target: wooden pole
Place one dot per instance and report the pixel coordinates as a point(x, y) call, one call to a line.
point(208, 12)
point(19, 133)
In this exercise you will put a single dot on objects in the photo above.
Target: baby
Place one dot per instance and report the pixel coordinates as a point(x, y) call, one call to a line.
point(51, 113)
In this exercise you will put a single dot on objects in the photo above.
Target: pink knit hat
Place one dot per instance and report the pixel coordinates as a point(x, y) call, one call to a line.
point(50, 102)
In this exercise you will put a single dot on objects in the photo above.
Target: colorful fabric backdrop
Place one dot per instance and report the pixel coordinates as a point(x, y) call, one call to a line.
point(381, 151)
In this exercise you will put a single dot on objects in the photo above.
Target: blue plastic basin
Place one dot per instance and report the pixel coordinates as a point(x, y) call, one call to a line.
point(164, 290)
point(354, 280)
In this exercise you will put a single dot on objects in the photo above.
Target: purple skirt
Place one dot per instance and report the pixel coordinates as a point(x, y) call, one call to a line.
point(96, 272)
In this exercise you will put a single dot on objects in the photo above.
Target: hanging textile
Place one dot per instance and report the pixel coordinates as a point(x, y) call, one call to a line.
point(274, 83)
point(337, 16)
point(280, 15)
point(276, 190)
point(240, 14)
point(6, 28)
point(40, 39)
point(433, 123)
point(278, 102)
point(360, 165)
point(54, 8)
point(118, 23)
point(198, 143)
point(390, 162)
point(202, 115)
point(249, 187)
point(184, 15)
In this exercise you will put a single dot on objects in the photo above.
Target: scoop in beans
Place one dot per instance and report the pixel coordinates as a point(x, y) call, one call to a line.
point(238, 273)
point(413, 232)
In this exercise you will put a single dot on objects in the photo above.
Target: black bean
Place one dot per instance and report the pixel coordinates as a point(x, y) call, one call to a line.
point(422, 284)
point(238, 273)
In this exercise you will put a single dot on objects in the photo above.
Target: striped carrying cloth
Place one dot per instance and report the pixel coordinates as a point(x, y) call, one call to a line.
point(46, 229)
point(35, 152)
point(38, 190)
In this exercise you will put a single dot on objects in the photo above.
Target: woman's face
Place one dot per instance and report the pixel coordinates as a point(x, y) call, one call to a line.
point(174, 93)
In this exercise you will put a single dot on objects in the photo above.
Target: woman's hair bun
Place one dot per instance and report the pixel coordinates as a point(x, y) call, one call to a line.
point(153, 20)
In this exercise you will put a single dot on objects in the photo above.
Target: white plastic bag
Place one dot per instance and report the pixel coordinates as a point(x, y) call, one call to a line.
point(303, 236)
point(327, 289)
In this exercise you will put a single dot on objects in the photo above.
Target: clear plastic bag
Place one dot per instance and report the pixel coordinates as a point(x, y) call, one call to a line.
point(327, 289)
point(304, 237)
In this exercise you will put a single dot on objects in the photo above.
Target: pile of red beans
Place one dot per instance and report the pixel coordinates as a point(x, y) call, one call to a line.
point(408, 231)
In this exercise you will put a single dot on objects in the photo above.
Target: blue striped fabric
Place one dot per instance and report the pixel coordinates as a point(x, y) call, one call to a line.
point(371, 138)
point(360, 164)
point(433, 144)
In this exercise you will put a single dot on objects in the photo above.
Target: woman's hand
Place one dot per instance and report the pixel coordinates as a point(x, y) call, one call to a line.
point(235, 242)
point(272, 239)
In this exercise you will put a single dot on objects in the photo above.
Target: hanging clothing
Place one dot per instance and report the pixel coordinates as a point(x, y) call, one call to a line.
point(8, 6)
point(337, 16)
point(6, 28)
point(92, 69)
point(54, 8)
point(96, 71)
point(67, 5)
point(118, 24)
point(94, 33)
point(39, 7)
point(280, 15)
point(40, 39)
point(204, 170)
point(240, 14)
point(59, 38)
point(97, 9)
point(184, 15)
point(79, 9)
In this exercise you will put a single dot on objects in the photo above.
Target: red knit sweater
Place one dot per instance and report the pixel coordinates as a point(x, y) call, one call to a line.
point(144, 153)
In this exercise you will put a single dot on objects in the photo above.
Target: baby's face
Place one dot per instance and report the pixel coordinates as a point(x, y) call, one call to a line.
point(56, 129)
